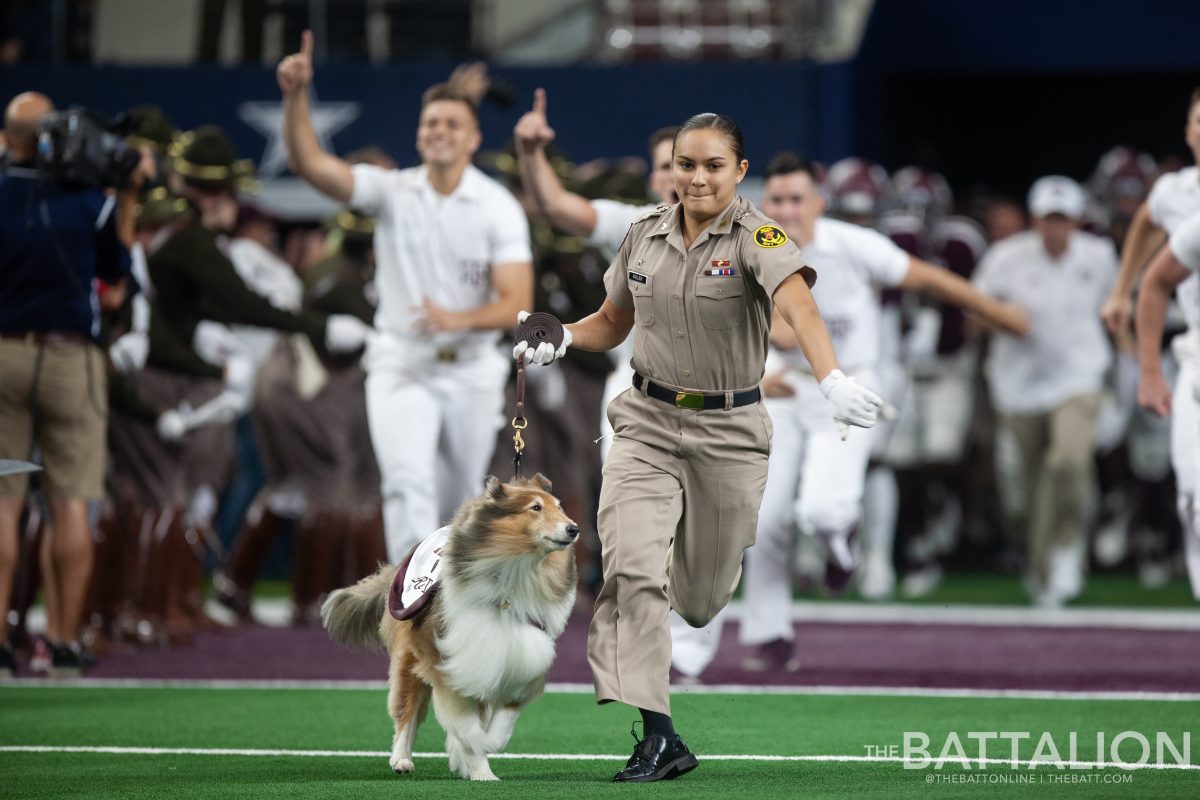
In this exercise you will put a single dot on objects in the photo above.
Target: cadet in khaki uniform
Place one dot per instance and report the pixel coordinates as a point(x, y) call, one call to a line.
point(696, 283)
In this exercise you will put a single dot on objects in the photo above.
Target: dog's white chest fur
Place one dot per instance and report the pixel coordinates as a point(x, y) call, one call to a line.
point(496, 654)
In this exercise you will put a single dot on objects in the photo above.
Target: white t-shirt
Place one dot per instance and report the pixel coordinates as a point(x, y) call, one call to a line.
point(438, 247)
point(1185, 242)
point(853, 263)
point(1174, 199)
point(612, 223)
point(1066, 351)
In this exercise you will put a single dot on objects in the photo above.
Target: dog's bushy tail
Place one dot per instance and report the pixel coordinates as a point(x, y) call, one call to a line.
point(352, 615)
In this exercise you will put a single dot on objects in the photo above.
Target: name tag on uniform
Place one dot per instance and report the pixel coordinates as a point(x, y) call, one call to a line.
point(637, 276)
point(720, 267)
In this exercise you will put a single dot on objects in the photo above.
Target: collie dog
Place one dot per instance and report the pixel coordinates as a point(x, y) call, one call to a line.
point(482, 647)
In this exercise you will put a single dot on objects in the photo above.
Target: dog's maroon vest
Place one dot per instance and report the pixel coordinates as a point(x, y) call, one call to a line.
point(423, 584)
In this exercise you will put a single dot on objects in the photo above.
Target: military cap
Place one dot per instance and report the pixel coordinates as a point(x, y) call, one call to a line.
point(207, 160)
point(149, 127)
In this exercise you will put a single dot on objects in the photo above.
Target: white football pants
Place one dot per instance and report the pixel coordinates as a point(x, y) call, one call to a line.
point(433, 426)
point(1185, 453)
point(814, 482)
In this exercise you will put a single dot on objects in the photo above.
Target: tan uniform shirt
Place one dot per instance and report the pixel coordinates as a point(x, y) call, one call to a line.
point(701, 315)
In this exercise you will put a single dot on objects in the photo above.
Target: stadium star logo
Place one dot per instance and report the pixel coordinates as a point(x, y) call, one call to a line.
point(267, 119)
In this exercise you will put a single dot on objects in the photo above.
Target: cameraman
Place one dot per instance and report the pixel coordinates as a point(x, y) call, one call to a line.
point(54, 241)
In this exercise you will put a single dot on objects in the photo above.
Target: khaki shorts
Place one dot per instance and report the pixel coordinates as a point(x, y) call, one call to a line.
point(54, 396)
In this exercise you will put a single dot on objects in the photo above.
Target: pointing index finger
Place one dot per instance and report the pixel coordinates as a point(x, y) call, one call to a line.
point(306, 44)
point(539, 101)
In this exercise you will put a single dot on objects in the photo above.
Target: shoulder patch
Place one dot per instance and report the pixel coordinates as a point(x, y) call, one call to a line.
point(770, 236)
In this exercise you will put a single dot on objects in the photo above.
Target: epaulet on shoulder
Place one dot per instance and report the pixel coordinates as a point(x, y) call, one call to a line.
point(655, 214)
point(751, 218)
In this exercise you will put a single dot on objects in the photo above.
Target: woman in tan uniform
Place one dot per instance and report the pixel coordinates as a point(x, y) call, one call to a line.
point(696, 282)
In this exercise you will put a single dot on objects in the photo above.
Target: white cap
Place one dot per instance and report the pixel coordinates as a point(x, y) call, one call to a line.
point(1057, 194)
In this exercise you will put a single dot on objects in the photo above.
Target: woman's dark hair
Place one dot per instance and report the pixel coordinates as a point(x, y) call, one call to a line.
point(718, 122)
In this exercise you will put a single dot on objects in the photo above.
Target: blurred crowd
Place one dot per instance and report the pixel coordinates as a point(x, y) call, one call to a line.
point(237, 424)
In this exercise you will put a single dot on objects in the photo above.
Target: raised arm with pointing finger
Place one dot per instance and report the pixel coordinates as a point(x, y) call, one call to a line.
point(326, 172)
point(566, 210)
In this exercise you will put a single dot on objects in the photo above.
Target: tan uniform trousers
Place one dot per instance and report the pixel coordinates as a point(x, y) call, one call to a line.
point(1057, 467)
point(678, 506)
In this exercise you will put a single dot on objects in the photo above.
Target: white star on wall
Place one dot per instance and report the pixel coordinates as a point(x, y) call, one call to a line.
point(267, 119)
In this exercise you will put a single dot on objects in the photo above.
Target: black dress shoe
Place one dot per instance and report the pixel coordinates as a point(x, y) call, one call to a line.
point(657, 758)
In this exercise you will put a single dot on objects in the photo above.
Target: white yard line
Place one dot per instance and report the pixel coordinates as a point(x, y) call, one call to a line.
point(586, 688)
point(1186, 619)
point(277, 613)
point(836, 758)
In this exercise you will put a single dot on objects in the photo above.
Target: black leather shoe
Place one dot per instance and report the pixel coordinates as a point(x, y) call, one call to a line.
point(657, 758)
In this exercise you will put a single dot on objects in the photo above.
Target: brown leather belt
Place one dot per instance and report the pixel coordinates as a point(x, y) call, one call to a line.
point(695, 400)
point(46, 337)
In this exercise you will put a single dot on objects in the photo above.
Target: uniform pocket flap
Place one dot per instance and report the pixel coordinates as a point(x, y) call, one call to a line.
point(719, 288)
point(641, 285)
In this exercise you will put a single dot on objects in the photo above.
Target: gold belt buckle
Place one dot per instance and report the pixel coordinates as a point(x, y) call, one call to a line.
point(689, 400)
point(447, 355)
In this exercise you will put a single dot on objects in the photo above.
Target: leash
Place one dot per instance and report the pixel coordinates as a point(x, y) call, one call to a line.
point(537, 328)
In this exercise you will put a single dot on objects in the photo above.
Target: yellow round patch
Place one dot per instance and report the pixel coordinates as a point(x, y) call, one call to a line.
point(769, 236)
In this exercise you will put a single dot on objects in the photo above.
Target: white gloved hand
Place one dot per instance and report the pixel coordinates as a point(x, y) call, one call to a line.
point(171, 425)
point(239, 375)
point(129, 352)
point(214, 342)
point(544, 353)
point(852, 404)
point(345, 333)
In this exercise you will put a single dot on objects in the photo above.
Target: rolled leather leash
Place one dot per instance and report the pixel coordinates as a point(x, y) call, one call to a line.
point(537, 328)
point(540, 327)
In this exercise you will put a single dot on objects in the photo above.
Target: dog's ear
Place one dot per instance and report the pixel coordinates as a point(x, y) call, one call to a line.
point(493, 487)
point(544, 482)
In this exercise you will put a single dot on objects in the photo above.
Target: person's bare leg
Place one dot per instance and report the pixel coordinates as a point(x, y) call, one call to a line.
point(10, 520)
point(50, 595)
point(71, 554)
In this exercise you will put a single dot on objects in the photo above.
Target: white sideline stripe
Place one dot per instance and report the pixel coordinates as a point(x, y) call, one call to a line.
point(1184, 619)
point(277, 612)
point(586, 688)
point(229, 751)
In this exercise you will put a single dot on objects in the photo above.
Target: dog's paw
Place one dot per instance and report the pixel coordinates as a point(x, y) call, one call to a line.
point(401, 765)
point(484, 774)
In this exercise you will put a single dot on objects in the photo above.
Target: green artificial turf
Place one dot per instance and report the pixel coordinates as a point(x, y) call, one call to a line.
point(785, 725)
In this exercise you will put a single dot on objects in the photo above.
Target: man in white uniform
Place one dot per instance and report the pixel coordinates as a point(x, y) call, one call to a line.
point(1174, 200)
point(816, 474)
point(1170, 270)
point(454, 268)
point(1046, 387)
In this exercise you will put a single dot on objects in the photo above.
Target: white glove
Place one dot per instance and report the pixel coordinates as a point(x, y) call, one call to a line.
point(345, 333)
point(852, 404)
point(214, 342)
point(544, 353)
point(221, 410)
point(129, 352)
point(171, 425)
point(239, 375)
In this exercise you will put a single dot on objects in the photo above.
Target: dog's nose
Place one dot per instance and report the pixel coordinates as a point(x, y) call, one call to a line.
point(572, 530)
